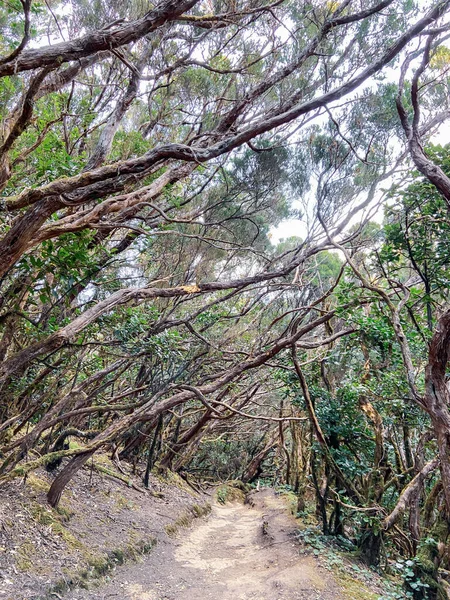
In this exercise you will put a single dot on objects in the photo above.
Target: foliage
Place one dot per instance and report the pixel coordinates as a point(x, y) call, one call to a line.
point(151, 158)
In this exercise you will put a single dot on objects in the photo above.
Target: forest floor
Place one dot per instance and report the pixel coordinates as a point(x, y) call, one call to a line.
point(102, 521)
point(110, 540)
point(239, 552)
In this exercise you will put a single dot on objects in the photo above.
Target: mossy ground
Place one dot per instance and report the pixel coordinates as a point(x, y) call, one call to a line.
point(45, 515)
point(185, 520)
point(172, 478)
point(100, 564)
point(291, 500)
point(353, 589)
point(232, 491)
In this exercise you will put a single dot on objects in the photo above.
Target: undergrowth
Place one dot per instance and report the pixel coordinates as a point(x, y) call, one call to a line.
point(232, 491)
point(339, 555)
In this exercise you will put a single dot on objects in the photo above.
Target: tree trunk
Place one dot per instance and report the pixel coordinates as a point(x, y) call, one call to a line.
point(437, 398)
point(370, 546)
point(180, 446)
point(151, 451)
point(60, 482)
point(254, 467)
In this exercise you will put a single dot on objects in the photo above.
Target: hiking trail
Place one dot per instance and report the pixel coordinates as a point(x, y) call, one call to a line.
point(239, 552)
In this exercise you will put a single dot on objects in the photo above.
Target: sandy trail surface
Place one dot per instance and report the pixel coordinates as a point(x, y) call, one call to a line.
point(239, 552)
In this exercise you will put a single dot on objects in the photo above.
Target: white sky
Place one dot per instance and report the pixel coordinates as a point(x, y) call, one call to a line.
point(298, 227)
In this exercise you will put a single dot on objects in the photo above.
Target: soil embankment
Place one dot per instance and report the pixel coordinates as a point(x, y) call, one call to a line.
point(101, 522)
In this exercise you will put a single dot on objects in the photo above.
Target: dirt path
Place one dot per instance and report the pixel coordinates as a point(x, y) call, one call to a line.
point(239, 552)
